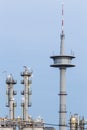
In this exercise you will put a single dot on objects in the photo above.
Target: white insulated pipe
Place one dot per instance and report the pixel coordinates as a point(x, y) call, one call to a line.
point(11, 109)
point(26, 79)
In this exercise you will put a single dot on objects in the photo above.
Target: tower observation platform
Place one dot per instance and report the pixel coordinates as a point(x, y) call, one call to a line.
point(62, 61)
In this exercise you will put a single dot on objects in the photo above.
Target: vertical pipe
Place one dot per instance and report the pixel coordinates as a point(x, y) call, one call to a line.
point(23, 111)
point(13, 109)
point(26, 98)
point(11, 101)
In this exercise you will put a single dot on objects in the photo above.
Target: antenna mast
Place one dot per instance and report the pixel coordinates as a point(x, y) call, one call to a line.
point(62, 17)
point(62, 32)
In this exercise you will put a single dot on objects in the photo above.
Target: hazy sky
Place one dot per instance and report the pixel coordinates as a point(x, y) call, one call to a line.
point(29, 35)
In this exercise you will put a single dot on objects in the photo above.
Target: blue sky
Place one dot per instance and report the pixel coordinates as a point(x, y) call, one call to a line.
point(29, 34)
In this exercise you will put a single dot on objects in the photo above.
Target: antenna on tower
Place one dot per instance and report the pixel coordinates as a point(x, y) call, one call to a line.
point(62, 17)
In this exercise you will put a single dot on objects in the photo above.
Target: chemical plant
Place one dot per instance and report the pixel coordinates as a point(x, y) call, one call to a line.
point(61, 61)
point(25, 122)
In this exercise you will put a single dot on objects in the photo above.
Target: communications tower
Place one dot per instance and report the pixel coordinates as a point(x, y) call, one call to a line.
point(62, 62)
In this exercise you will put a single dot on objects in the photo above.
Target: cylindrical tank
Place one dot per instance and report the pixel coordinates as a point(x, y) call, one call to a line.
point(73, 123)
point(76, 122)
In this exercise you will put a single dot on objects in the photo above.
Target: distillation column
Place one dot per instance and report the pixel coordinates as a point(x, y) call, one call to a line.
point(62, 62)
point(10, 94)
point(27, 92)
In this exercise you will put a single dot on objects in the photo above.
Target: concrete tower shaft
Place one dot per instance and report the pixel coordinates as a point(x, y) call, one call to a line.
point(62, 100)
point(62, 62)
